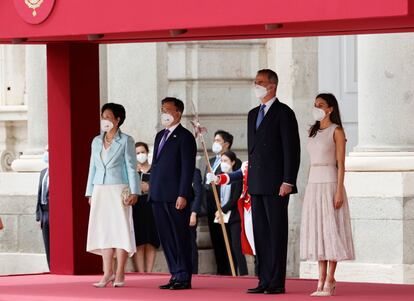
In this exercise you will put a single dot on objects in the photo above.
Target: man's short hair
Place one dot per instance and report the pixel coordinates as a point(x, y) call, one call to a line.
point(271, 75)
point(177, 103)
point(227, 137)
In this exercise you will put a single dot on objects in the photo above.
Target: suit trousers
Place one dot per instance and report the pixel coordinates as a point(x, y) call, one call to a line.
point(175, 236)
point(194, 249)
point(234, 233)
point(219, 246)
point(270, 228)
point(44, 223)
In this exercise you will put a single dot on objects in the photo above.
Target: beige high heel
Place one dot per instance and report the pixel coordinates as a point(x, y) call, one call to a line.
point(119, 283)
point(328, 290)
point(319, 289)
point(102, 284)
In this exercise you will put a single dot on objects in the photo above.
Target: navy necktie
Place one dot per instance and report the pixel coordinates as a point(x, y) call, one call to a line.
point(216, 163)
point(163, 140)
point(260, 116)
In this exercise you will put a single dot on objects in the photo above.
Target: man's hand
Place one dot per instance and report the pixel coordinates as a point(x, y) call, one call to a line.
point(211, 178)
point(131, 200)
point(180, 203)
point(193, 219)
point(285, 189)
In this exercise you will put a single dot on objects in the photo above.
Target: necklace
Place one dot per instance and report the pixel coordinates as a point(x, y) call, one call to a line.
point(108, 141)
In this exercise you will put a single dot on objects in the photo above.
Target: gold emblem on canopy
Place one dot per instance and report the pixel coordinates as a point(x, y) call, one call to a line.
point(33, 4)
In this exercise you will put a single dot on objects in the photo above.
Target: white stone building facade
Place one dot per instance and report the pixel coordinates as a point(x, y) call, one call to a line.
point(372, 77)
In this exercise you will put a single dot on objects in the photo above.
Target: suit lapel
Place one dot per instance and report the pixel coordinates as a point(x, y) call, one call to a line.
point(98, 151)
point(157, 143)
point(173, 136)
point(269, 116)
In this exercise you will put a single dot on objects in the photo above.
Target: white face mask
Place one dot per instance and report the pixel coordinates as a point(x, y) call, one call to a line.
point(106, 125)
point(217, 148)
point(318, 114)
point(260, 92)
point(166, 119)
point(142, 158)
point(46, 157)
point(225, 167)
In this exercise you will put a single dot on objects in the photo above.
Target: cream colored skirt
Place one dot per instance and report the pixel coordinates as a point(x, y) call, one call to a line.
point(325, 232)
point(110, 222)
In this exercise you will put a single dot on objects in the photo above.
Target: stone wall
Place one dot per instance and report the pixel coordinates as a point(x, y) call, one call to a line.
point(21, 243)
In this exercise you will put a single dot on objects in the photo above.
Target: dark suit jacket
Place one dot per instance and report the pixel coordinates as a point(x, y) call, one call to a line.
point(172, 171)
point(39, 211)
point(274, 150)
point(208, 191)
point(235, 192)
point(198, 191)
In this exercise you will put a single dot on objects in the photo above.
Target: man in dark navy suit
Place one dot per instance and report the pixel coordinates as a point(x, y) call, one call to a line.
point(42, 207)
point(171, 192)
point(274, 157)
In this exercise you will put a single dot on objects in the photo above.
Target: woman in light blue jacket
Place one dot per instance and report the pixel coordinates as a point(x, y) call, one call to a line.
point(113, 186)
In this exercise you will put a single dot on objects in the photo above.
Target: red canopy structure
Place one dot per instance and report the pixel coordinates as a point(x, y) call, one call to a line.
point(143, 21)
point(73, 29)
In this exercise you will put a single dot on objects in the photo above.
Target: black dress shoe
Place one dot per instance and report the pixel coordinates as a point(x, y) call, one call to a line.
point(256, 290)
point(181, 285)
point(168, 285)
point(275, 290)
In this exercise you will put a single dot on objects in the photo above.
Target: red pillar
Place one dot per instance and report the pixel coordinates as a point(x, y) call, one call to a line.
point(73, 120)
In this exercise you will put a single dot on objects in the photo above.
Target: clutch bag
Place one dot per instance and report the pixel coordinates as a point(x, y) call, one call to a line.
point(126, 192)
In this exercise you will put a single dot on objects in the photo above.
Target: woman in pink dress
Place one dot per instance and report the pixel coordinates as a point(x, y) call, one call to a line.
point(326, 234)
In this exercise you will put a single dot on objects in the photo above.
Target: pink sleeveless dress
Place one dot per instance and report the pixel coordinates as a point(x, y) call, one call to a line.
point(325, 232)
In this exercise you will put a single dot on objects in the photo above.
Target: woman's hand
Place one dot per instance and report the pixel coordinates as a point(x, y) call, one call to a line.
point(131, 200)
point(193, 219)
point(211, 178)
point(144, 187)
point(338, 200)
point(217, 214)
point(89, 200)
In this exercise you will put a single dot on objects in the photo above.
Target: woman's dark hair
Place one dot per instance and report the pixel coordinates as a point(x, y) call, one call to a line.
point(116, 109)
point(231, 155)
point(334, 117)
point(143, 144)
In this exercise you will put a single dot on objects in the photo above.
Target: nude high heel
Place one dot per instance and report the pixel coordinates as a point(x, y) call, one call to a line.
point(328, 290)
point(319, 289)
point(104, 283)
point(119, 283)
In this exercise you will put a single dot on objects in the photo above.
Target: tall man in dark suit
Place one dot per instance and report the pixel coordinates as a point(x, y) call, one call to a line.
point(42, 207)
point(222, 143)
point(171, 192)
point(274, 157)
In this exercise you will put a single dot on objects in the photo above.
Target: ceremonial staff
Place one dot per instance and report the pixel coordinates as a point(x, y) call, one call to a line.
point(199, 133)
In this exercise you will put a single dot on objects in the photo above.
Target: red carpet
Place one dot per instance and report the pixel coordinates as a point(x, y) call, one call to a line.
point(145, 287)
